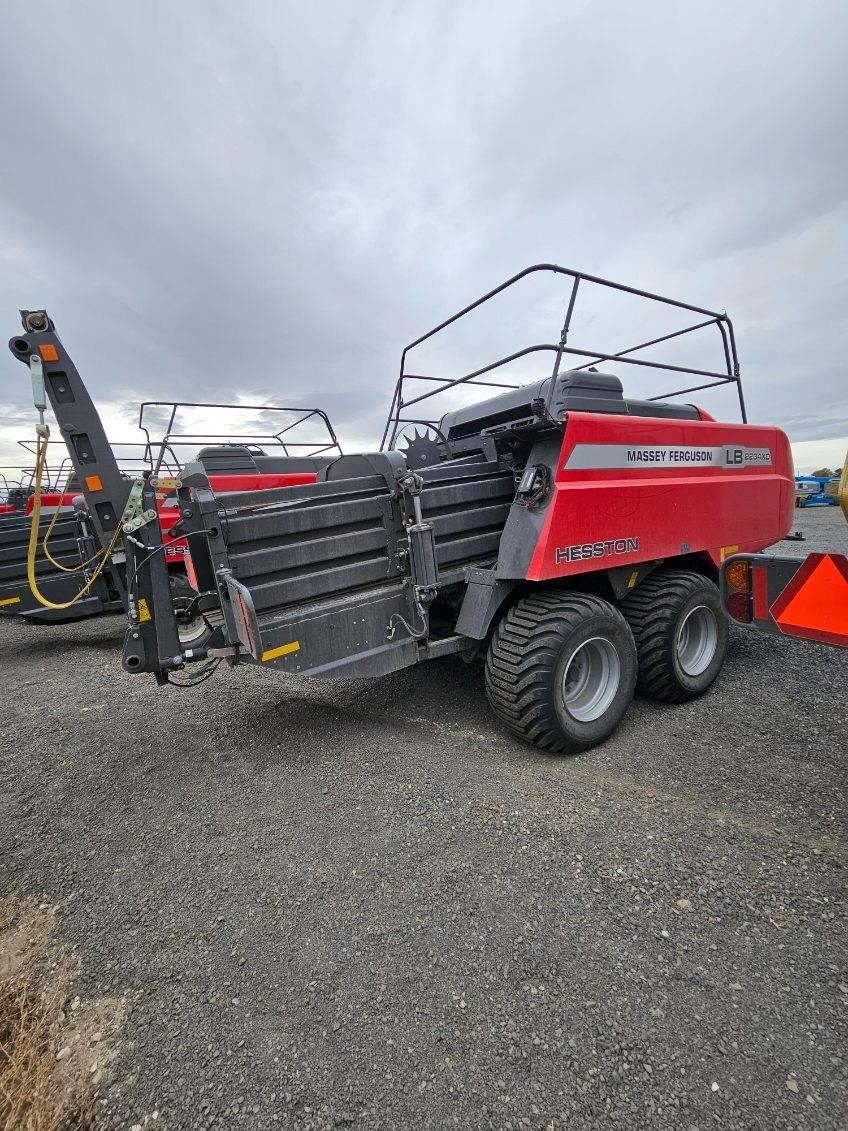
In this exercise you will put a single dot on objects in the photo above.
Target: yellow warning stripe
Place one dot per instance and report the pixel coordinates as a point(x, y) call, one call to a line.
point(283, 650)
point(10, 601)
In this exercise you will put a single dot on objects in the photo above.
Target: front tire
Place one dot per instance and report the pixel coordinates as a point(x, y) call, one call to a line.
point(680, 630)
point(561, 670)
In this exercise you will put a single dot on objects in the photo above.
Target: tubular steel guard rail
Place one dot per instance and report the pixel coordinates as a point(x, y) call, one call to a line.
point(396, 421)
point(25, 475)
point(172, 439)
point(133, 457)
point(22, 477)
point(49, 481)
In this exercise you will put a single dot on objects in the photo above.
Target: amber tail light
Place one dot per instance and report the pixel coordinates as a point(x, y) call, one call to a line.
point(737, 576)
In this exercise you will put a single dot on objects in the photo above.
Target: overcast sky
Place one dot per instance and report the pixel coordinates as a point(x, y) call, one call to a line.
point(219, 200)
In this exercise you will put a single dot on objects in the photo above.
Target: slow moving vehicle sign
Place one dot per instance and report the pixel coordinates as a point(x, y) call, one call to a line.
point(814, 605)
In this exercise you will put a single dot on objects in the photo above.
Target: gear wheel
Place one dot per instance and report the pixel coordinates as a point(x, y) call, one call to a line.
point(421, 450)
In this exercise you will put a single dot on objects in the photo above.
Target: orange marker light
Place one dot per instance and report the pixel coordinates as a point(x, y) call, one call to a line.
point(48, 353)
point(737, 574)
point(94, 482)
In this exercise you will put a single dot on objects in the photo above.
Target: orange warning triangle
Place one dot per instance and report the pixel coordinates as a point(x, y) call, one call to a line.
point(814, 604)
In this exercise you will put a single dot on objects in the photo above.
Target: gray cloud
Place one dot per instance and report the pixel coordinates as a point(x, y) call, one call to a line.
point(218, 198)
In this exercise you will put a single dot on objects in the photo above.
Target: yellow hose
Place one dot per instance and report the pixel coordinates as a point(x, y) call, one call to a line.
point(32, 547)
point(49, 531)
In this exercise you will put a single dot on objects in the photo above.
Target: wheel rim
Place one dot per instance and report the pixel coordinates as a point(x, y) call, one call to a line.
point(697, 640)
point(200, 625)
point(190, 633)
point(590, 679)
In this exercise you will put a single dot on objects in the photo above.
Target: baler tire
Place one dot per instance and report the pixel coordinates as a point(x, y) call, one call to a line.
point(529, 658)
point(657, 612)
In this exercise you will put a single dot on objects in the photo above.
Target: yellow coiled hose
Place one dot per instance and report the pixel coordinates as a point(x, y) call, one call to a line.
point(32, 547)
point(48, 532)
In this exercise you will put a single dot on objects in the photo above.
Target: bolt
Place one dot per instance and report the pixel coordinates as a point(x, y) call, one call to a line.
point(188, 512)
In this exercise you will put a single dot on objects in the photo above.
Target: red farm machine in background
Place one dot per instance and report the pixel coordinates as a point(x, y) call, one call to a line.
point(61, 554)
point(17, 482)
point(569, 533)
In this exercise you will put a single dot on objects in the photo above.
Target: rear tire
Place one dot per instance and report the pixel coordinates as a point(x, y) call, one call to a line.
point(680, 630)
point(561, 669)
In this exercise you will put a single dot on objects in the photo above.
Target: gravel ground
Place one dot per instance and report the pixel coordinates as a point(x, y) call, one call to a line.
point(331, 903)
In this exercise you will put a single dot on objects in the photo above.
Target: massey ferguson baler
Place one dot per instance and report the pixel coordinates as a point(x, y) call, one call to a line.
point(570, 533)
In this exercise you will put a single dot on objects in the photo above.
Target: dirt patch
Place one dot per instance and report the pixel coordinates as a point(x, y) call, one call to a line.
point(55, 1050)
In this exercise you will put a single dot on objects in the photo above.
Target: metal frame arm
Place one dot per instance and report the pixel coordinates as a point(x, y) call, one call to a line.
point(101, 482)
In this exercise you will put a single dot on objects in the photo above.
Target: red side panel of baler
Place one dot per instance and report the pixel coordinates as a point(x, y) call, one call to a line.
point(632, 489)
point(222, 484)
point(50, 500)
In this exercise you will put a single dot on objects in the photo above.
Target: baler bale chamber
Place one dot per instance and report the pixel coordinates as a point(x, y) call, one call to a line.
point(355, 575)
point(59, 570)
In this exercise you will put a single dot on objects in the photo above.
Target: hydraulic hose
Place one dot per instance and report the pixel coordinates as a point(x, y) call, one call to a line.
point(32, 547)
point(49, 531)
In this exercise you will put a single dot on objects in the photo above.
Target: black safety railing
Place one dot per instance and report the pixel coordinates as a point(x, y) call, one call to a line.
point(163, 455)
point(15, 477)
point(410, 391)
point(296, 436)
point(51, 478)
point(132, 456)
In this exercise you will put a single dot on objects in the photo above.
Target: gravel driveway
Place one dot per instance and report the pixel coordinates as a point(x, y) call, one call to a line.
point(337, 903)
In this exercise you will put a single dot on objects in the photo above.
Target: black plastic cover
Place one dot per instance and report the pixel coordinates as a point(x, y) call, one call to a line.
point(577, 390)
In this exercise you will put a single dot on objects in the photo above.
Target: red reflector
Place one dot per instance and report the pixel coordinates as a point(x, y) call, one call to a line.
point(814, 605)
point(760, 587)
point(739, 607)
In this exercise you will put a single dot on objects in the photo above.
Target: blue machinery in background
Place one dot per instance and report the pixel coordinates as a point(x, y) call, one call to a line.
point(811, 491)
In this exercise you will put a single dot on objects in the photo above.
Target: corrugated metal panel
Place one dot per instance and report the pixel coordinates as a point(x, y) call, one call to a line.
point(14, 542)
point(311, 543)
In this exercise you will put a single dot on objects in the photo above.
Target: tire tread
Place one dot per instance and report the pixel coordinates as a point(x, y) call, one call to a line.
point(523, 656)
point(649, 611)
